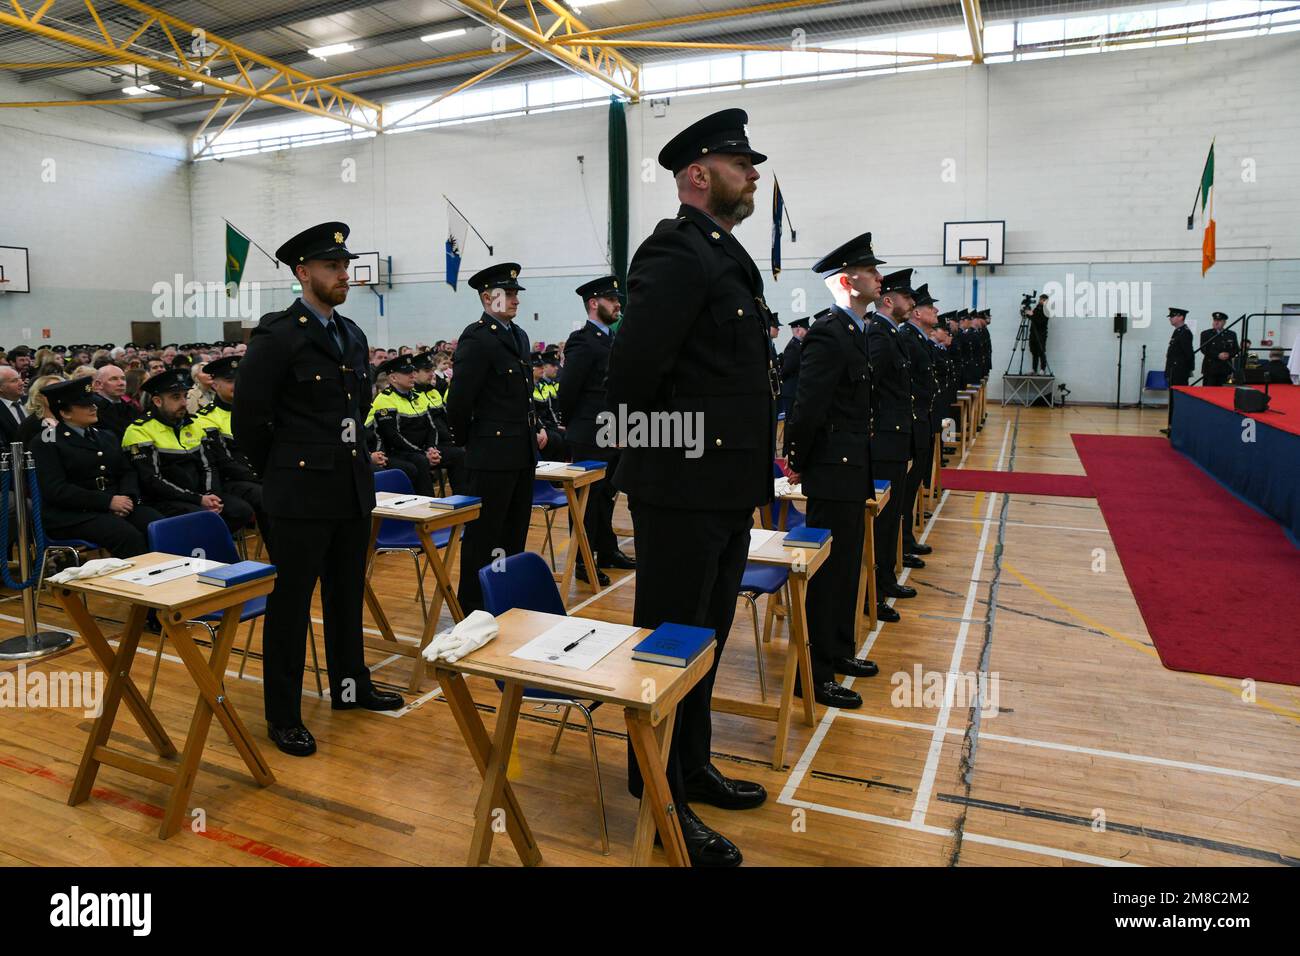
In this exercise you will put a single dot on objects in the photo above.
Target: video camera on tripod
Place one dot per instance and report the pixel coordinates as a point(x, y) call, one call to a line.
point(1027, 303)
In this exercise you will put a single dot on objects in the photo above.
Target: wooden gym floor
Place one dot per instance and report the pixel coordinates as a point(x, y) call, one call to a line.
point(1095, 753)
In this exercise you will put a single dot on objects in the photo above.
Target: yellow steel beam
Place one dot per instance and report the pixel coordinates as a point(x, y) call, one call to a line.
point(478, 77)
point(350, 106)
point(614, 70)
point(974, 17)
point(699, 18)
point(125, 101)
point(769, 47)
point(407, 67)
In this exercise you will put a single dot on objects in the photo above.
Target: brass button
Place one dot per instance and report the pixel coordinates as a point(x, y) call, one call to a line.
point(103, 468)
point(100, 454)
point(844, 461)
point(349, 396)
point(511, 371)
point(740, 312)
point(318, 378)
point(302, 464)
point(718, 442)
point(354, 453)
point(498, 434)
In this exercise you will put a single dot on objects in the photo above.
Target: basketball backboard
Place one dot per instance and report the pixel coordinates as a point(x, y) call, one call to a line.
point(964, 240)
point(365, 270)
point(13, 269)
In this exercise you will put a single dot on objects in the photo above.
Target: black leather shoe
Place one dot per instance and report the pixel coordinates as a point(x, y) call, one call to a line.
point(601, 577)
point(371, 699)
point(296, 741)
point(617, 560)
point(896, 591)
point(704, 845)
point(912, 561)
point(916, 547)
point(852, 667)
point(887, 614)
point(708, 785)
point(831, 694)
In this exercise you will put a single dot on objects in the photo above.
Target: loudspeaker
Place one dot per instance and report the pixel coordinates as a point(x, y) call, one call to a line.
point(1121, 324)
point(1249, 400)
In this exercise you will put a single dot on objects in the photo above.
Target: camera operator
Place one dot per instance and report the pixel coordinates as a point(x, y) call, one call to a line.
point(1038, 334)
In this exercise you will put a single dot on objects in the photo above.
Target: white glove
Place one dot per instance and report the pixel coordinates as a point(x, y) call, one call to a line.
point(465, 638)
point(90, 569)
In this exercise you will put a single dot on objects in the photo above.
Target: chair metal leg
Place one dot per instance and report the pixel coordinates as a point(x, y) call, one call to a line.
point(600, 787)
point(758, 645)
point(559, 731)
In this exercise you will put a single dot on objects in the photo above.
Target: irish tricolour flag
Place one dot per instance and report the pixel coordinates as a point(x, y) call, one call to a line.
point(1205, 195)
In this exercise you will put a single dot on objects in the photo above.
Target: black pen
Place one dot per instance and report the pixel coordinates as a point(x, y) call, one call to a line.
point(579, 640)
point(168, 567)
point(399, 501)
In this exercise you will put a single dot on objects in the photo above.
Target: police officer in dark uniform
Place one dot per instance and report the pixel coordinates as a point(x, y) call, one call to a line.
point(1180, 357)
point(891, 428)
point(827, 447)
point(790, 362)
point(1218, 349)
point(490, 408)
point(582, 400)
point(299, 415)
point(546, 393)
point(694, 341)
point(400, 417)
point(88, 488)
point(452, 455)
point(914, 334)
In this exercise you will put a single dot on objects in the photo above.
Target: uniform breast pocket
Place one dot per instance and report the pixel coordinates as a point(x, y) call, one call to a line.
point(320, 381)
point(859, 379)
point(731, 318)
point(843, 448)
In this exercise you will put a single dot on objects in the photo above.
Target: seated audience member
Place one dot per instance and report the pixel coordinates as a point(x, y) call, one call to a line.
point(1278, 372)
point(12, 411)
point(38, 412)
point(88, 488)
point(115, 412)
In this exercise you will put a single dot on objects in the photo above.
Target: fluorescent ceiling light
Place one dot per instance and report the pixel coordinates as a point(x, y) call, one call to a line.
point(139, 90)
point(445, 35)
point(333, 48)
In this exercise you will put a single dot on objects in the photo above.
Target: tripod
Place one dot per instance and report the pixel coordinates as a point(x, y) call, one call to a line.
point(1018, 350)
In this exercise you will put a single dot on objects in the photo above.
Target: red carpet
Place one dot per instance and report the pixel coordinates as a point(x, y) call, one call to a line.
point(1215, 579)
point(1017, 483)
point(1283, 403)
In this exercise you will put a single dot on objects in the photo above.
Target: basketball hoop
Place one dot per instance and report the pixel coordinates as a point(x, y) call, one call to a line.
point(972, 261)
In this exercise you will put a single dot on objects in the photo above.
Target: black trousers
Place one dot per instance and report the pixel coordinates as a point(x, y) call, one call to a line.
point(890, 520)
point(121, 537)
point(1038, 347)
point(500, 530)
point(688, 570)
point(453, 462)
point(251, 493)
point(333, 551)
point(917, 475)
point(832, 592)
point(416, 467)
point(599, 517)
point(235, 511)
point(1216, 377)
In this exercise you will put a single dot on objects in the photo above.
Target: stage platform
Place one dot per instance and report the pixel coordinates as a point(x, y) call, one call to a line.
point(1026, 389)
point(1259, 463)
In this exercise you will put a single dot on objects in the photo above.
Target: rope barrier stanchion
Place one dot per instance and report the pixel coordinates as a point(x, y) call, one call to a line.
point(17, 480)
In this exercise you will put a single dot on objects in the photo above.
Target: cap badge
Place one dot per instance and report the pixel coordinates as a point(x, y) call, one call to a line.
point(338, 237)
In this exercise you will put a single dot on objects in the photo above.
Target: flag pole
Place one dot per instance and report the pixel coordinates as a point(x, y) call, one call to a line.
point(470, 224)
point(254, 243)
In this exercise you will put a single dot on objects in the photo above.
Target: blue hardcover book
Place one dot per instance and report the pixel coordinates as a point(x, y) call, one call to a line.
point(453, 502)
point(673, 644)
point(229, 575)
point(589, 465)
point(806, 537)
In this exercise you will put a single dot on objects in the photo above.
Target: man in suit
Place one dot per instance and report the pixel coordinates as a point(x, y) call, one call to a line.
point(790, 362)
point(1218, 350)
point(299, 416)
point(582, 402)
point(694, 343)
point(827, 441)
point(12, 412)
point(490, 409)
point(88, 488)
point(914, 334)
point(115, 412)
point(892, 420)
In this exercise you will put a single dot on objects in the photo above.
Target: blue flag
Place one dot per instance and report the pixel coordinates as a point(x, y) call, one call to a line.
point(457, 228)
point(778, 209)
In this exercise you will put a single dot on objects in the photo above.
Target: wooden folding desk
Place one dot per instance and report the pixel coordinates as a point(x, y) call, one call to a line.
point(803, 564)
point(426, 521)
point(577, 488)
point(648, 694)
point(176, 602)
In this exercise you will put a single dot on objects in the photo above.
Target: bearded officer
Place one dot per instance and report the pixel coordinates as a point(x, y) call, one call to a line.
point(694, 343)
point(299, 415)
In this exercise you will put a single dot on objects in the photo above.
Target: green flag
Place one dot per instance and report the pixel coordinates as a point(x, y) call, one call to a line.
point(236, 258)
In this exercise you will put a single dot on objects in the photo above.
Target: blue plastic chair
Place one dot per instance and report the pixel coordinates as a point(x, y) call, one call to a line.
point(526, 582)
point(762, 579)
point(550, 499)
point(1156, 381)
point(204, 533)
point(399, 537)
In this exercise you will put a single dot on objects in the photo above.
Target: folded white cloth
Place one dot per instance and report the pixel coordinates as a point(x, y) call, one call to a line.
point(782, 488)
point(90, 569)
point(467, 636)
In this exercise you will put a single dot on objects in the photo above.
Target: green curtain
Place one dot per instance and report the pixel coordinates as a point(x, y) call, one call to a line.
point(618, 202)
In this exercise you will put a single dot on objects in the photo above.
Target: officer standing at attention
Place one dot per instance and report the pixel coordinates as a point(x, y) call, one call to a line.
point(827, 437)
point(88, 488)
point(182, 464)
point(694, 342)
point(914, 334)
point(490, 408)
point(581, 399)
point(891, 429)
point(1218, 348)
point(790, 362)
point(299, 416)
point(243, 481)
point(1180, 357)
